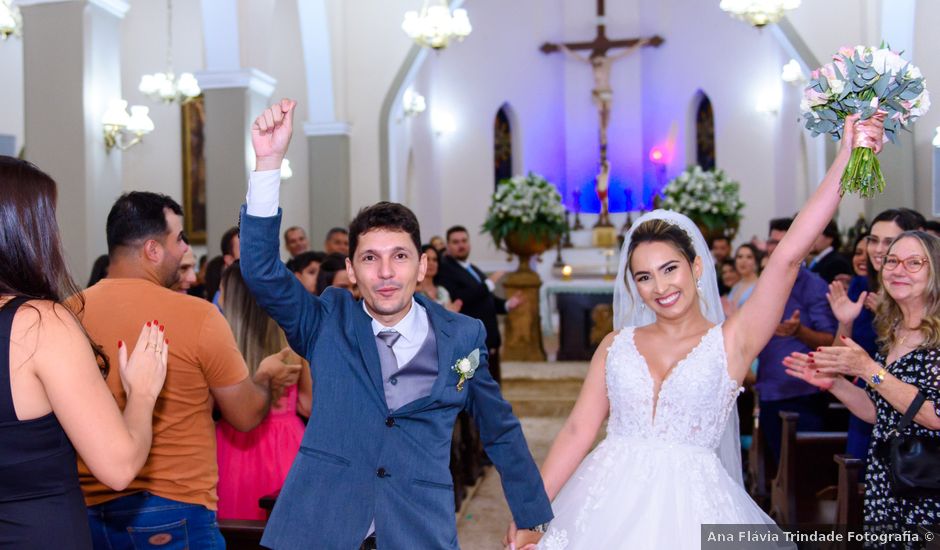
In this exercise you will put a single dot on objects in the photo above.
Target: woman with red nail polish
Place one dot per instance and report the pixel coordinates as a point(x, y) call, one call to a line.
point(53, 397)
point(904, 374)
point(854, 307)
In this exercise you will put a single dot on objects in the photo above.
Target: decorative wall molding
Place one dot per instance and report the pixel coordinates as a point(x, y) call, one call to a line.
point(253, 79)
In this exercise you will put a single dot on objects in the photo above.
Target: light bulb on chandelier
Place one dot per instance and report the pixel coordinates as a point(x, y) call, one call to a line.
point(435, 26)
point(11, 22)
point(759, 12)
point(165, 86)
point(122, 130)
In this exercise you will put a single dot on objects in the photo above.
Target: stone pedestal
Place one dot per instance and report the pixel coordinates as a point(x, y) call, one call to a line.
point(522, 339)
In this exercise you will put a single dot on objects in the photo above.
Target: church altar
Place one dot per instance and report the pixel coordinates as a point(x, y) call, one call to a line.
point(578, 307)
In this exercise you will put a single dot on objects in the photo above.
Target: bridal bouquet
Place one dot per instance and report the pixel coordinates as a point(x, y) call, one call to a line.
point(864, 80)
point(708, 198)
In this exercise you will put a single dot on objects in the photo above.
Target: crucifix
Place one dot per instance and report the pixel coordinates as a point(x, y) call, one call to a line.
point(602, 94)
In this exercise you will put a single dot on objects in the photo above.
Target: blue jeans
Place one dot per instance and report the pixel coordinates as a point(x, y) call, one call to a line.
point(144, 520)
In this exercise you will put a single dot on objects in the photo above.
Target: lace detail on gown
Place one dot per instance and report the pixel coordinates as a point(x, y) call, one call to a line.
point(655, 479)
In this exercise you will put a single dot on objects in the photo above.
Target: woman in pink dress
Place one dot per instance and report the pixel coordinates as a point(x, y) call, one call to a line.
point(255, 463)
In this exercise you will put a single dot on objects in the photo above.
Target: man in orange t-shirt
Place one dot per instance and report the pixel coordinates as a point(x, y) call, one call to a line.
point(173, 497)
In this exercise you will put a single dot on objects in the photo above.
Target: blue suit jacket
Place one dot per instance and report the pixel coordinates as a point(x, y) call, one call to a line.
point(358, 461)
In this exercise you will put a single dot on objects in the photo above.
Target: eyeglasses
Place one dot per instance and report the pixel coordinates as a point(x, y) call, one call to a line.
point(873, 241)
point(912, 264)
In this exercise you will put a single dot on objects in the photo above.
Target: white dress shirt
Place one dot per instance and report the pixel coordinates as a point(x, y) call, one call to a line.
point(264, 193)
point(466, 265)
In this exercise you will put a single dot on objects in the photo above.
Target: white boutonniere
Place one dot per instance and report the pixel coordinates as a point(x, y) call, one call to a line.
point(466, 367)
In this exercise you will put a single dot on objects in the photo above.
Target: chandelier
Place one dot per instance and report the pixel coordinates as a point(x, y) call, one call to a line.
point(436, 26)
point(11, 23)
point(759, 12)
point(122, 130)
point(166, 87)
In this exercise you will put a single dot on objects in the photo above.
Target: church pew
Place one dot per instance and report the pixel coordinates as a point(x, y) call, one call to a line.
point(760, 464)
point(806, 469)
point(851, 492)
point(242, 534)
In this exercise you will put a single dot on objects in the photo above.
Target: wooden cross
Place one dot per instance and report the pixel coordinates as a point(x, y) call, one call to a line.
point(601, 44)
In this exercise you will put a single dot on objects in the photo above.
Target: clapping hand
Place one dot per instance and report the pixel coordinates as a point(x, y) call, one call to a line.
point(789, 327)
point(844, 309)
point(800, 365)
point(872, 301)
point(271, 133)
point(849, 359)
point(144, 373)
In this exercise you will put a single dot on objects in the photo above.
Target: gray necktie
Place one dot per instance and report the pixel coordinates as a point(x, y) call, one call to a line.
point(385, 340)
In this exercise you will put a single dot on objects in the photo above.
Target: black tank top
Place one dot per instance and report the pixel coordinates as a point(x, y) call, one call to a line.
point(40, 498)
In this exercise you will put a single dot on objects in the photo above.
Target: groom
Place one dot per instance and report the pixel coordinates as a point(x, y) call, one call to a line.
point(376, 453)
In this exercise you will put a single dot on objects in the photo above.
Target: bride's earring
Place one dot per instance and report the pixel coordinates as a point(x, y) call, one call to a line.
point(698, 285)
point(642, 306)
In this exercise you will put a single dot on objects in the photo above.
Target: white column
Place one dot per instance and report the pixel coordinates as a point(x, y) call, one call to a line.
point(69, 81)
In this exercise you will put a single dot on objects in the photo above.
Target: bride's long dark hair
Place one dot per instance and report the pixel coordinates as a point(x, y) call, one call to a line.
point(31, 261)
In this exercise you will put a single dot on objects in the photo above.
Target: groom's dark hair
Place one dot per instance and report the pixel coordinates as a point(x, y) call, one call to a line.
point(390, 216)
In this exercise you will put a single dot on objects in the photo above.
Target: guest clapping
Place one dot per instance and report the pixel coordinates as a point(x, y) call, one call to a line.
point(907, 363)
point(855, 308)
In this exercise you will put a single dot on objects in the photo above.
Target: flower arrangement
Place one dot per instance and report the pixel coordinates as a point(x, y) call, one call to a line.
point(867, 81)
point(708, 198)
point(527, 206)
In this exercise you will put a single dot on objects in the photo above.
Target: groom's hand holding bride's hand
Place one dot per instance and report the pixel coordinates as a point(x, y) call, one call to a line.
point(271, 133)
point(520, 539)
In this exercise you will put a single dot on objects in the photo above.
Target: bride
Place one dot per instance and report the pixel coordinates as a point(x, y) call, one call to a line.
point(668, 379)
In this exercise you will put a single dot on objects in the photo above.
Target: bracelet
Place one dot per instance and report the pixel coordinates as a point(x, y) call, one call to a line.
point(878, 377)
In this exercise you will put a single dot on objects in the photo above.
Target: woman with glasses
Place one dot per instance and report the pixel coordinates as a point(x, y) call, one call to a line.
point(907, 323)
point(855, 308)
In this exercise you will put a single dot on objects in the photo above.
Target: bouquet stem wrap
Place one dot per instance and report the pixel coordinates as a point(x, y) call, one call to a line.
point(863, 173)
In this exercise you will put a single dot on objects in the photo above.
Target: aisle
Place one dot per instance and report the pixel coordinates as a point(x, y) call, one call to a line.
point(542, 395)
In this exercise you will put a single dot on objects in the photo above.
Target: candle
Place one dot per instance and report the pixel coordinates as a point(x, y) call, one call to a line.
point(566, 272)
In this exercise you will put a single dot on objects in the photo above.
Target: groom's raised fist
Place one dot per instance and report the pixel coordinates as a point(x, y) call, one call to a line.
point(271, 133)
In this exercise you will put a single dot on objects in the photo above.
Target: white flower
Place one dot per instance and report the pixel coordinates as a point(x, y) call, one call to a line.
point(836, 85)
point(913, 73)
point(463, 366)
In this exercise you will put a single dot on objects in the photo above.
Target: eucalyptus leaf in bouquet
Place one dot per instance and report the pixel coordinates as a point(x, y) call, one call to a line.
point(527, 206)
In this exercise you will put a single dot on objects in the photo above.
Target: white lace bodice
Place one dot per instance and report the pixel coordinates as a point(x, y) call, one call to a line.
point(694, 400)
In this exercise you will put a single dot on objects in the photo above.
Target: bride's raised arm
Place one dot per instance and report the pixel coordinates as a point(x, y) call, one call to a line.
point(749, 329)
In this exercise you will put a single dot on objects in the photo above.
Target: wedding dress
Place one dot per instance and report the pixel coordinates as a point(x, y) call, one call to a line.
point(656, 478)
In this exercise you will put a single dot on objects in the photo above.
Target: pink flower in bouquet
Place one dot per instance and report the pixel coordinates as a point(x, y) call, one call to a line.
point(814, 98)
point(846, 51)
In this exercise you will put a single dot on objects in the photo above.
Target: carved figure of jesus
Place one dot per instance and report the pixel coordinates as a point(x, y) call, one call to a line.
point(602, 94)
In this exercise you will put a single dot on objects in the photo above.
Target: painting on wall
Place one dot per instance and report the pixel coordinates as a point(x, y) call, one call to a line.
point(194, 170)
